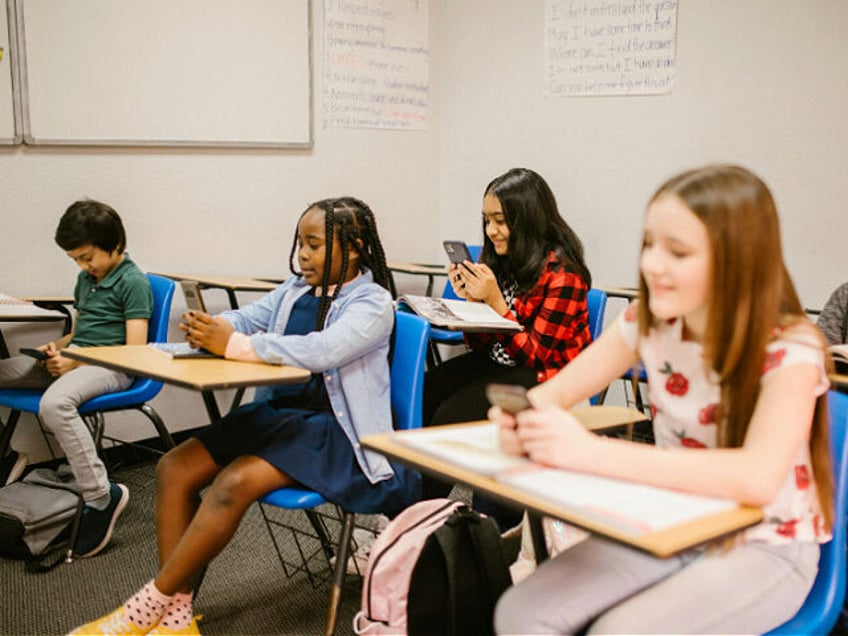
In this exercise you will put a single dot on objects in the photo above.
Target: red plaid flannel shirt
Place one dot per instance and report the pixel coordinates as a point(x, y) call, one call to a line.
point(555, 318)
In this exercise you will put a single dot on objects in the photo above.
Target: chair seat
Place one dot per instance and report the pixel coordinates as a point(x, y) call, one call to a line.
point(139, 392)
point(26, 400)
point(293, 498)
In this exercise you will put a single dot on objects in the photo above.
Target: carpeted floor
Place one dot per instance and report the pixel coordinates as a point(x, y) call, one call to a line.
point(244, 590)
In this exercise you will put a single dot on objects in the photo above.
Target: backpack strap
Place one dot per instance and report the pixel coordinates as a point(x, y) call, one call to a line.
point(486, 540)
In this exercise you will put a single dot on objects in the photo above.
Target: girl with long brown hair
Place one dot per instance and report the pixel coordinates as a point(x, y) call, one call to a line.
point(737, 378)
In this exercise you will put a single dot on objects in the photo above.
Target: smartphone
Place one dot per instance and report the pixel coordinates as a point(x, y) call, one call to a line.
point(38, 354)
point(457, 251)
point(512, 398)
point(193, 298)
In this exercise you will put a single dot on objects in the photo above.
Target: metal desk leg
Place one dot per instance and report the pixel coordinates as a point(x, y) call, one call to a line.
point(537, 533)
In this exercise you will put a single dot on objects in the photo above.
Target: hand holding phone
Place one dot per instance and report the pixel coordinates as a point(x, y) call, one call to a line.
point(457, 251)
point(38, 354)
point(512, 398)
point(191, 291)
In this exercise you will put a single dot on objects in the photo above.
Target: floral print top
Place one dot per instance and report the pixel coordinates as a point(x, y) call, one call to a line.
point(684, 400)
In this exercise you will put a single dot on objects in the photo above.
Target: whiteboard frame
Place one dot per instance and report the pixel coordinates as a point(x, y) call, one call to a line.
point(13, 53)
point(24, 131)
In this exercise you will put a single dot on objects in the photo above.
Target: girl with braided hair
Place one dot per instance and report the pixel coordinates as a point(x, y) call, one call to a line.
point(335, 317)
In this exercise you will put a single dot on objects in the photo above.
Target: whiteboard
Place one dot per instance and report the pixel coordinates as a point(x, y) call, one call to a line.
point(166, 72)
point(8, 76)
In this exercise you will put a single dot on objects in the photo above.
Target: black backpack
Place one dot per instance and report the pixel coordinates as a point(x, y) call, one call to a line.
point(38, 517)
point(437, 568)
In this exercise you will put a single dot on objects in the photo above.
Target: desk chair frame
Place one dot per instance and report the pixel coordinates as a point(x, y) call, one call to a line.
point(407, 387)
point(135, 396)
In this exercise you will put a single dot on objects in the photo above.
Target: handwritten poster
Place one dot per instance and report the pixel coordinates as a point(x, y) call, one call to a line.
point(609, 47)
point(376, 64)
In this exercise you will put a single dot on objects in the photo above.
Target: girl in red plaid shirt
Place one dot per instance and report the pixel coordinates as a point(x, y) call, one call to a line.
point(532, 271)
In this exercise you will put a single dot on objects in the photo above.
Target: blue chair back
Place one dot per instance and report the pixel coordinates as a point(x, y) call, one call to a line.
point(474, 250)
point(596, 303)
point(412, 334)
point(820, 611)
point(142, 389)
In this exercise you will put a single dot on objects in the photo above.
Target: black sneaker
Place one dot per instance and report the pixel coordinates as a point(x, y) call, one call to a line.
point(96, 525)
point(12, 467)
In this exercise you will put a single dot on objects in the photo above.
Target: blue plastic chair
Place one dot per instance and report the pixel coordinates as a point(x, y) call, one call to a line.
point(820, 611)
point(596, 303)
point(407, 389)
point(136, 396)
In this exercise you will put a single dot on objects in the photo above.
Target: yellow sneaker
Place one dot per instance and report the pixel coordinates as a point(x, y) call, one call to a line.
point(191, 630)
point(114, 624)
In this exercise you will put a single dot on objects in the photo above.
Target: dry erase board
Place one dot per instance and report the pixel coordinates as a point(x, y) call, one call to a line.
point(166, 72)
point(8, 96)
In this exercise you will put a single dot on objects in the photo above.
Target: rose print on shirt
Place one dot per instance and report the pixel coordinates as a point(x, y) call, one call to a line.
point(677, 384)
point(786, 528)
point(707, 415)
point(773, 360)
point(802, 477)
point(688, 442)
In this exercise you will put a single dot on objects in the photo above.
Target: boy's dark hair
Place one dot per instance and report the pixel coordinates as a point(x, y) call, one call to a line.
point(535, 228)
point(89, 222)
point(356, 226)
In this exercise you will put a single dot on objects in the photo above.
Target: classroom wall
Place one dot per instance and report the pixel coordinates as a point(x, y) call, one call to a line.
point(759, 82)
point(762, 83)
point(212, 211)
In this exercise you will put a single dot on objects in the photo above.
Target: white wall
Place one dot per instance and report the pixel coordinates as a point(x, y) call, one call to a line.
point(759, 82)
point(213, 211)
point(762, 83)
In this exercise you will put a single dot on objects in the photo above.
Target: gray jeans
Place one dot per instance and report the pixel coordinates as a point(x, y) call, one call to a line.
point(614, 589)
point(58, 413)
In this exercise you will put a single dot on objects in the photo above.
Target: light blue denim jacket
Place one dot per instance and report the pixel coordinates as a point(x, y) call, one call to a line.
point(351, 352)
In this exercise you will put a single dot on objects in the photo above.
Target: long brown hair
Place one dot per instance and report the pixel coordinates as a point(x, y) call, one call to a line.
point(750, 295)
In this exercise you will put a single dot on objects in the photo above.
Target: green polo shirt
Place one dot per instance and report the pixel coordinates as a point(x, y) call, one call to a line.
point(104, 308)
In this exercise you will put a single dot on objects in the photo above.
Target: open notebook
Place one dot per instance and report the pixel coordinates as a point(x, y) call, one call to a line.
point(614, 507)
point(459, 315)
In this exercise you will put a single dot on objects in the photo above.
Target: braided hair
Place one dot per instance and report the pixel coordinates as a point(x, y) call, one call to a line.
point(356, 227)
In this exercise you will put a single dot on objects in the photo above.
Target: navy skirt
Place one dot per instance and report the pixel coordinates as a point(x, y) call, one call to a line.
point(310, 447)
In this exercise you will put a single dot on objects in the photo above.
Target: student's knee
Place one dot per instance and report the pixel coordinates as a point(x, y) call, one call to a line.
point(55, 408)
point(231, 488)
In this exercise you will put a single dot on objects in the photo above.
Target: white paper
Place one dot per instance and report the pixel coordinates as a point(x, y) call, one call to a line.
point(635, 508)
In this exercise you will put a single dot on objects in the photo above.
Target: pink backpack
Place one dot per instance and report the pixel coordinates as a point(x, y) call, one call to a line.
point(438, 567)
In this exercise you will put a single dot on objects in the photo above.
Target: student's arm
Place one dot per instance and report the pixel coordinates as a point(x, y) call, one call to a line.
point(136, 330)
point(833, 320)
point(550, 339)
point(751, 474)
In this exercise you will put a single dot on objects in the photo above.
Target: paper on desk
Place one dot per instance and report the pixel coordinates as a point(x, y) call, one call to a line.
point(634, 508)
point(474, 447)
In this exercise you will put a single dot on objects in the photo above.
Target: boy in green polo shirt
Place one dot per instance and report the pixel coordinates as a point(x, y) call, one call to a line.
point(113, 303)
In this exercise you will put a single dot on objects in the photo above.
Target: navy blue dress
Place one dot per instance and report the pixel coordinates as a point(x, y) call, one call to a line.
point(296, 431)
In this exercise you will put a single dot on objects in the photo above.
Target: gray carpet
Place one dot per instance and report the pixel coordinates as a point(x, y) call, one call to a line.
point(244, 591)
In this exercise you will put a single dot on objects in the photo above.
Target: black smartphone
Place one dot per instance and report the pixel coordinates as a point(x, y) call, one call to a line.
point(512, 398)
point(457, 251)
point(193, 298)
point(38, 354)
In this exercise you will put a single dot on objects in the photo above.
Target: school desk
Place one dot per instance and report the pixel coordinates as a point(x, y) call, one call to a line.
point(230, 284)
point(628, 293)
point(429, 270)
point(685, 521)
point(839, 381)
point(20, 310)
point(201, 374)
